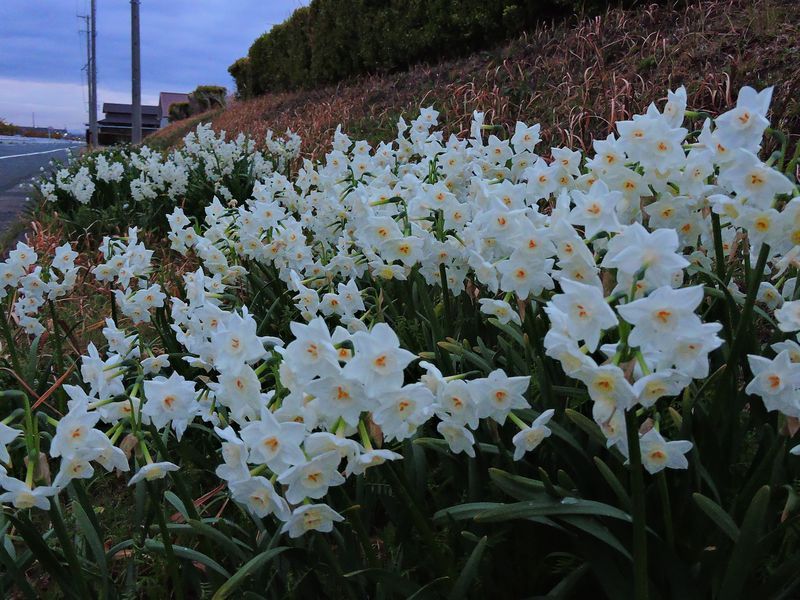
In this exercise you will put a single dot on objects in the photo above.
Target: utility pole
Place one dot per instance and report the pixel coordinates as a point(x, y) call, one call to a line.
point(88, 70)
point(136, 82)
point(93, 76)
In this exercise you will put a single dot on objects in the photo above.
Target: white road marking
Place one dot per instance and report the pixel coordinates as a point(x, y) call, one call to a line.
point(32, 153)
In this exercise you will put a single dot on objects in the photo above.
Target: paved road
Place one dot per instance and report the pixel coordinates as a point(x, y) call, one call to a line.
point(20, 160)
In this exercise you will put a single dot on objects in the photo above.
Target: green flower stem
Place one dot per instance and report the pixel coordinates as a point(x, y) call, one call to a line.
point(642, 363)
point(59, 352)
point(422, 524)
point(362, 431)
point(663, 491)
point(517, 421)
point(638, 508)
point(11, 347)
point(145, 452)
point(744, 320)
point(68, 547)
point(719, 265)
point(172, 564)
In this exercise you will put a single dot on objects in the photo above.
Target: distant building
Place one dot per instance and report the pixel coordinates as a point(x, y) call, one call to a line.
point(116, 127)
point(167, 99)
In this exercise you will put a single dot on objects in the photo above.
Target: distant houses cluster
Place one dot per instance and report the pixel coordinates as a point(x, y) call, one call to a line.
point(117, 125)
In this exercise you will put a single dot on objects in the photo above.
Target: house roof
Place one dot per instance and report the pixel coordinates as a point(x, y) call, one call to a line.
point(111, 107)
point(167, 99)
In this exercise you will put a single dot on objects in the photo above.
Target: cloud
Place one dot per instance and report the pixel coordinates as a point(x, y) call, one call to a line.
point(185, 43)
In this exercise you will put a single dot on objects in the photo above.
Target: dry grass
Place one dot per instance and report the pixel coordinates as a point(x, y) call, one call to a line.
point(83, 312)
point(576, 78)
point(172, 134)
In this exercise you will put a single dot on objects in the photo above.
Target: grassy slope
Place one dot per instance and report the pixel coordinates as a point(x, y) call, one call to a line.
point(576, 78)
point(173, 133)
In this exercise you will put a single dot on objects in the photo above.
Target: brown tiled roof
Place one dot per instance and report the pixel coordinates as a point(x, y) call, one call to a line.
point(167, 99)
point(126, 109)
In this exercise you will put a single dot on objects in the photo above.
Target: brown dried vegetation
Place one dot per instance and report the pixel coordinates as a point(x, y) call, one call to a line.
point(576, 78)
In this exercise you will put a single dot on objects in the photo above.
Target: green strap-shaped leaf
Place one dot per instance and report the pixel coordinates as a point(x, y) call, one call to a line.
point(188, 554)
point(469, 572)
point(744, 557)
point(218, 537)
point(520, 488)
point(93, 539)
point(597, 530)
point(717, 514)
point(248, 569)
point(534, 508)
point(614, 483)
point(389, 579)
point(14, 573)
point(564, 588)
point(50, 563)
point(587, 425)
point(463, 512)
point(426, 589)
point(177, 503)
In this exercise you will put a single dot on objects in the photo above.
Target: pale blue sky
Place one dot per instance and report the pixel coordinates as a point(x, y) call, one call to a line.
point(184, 43)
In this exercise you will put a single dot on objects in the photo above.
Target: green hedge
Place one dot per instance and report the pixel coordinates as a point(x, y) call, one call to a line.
point(330, 40)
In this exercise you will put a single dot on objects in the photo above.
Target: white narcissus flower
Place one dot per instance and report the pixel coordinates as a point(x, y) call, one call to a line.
point(339, 396)
point(23, 496)
point(530, 437)
point(402, 411)
point(311, 479)
point(155, 364)
point(744, 125)
point(239, 389)
point(776, 381)
point(312, 352)
point(7, 435)
point(153, 471)
point(769, 295)
point(788, 316)
point(273, 443)
point(104, 376)
point(651, 387)
point(236, 342)
point(500, 309)
point(455, 403)
point(609, 389)
point(658, 453)
point(595, 210)
point(525, 137)
point(371, 458)
point(660, 315)
point(497, 394)
point(459, 438)
point(75, 431)
point(587, 312)
point(379, 360)
point(72, 467)
point(260, 497)
point(170, 400)
point(311, 517)
point(635, 249)
point(234, 455)
point(523, 276)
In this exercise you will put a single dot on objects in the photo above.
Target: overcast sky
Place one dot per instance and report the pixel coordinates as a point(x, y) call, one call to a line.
point(185, 43)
